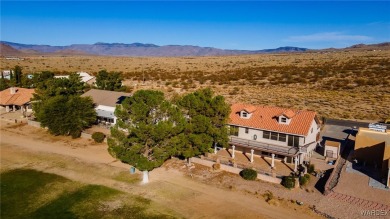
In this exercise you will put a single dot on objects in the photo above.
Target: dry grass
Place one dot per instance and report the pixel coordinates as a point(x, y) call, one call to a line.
point(342, 84)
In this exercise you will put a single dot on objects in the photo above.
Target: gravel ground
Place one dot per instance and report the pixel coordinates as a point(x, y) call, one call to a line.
point(308, 194)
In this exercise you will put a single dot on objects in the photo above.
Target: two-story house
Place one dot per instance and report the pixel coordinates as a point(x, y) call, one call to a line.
point(278, 133)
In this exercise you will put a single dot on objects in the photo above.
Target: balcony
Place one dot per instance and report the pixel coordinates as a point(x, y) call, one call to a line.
point(276, 149)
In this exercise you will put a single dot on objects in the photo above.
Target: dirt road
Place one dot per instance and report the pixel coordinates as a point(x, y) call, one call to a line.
point(81, 160)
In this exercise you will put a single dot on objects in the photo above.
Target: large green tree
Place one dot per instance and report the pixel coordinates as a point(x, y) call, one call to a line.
point(67, 115)
point(58, 106)
point(146, 127)
point(206, 122)
point(109, 81)
point(150, 129)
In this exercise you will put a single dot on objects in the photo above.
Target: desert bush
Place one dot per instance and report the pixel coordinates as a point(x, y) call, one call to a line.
point(311, 168)
point(303, 180)
point(98, 137)
point(288, 182)
point(75, 134)
point(248, 174)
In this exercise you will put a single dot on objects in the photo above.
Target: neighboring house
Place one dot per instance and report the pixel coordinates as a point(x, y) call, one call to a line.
point(106, 102)
point(6, 74)
point(16, 98)
point(282, 134)
point(85, 77)
point(372, 148)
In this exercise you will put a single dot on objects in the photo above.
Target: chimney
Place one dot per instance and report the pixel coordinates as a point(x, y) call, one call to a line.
point(12, 90)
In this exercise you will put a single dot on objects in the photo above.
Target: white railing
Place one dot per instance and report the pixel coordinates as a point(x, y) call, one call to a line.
point(290, 151)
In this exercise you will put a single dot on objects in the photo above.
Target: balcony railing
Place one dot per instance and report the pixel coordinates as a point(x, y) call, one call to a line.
point(282, 150)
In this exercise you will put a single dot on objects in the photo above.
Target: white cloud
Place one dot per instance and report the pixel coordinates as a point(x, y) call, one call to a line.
point(327, 37)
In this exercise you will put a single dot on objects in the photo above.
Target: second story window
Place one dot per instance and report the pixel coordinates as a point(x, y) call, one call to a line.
point(282, 137)
point(244, 114)
point(266, 134)
point(283, 120)
point(274, 136)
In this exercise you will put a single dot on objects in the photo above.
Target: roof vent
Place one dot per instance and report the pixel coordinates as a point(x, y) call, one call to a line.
point(377, 127)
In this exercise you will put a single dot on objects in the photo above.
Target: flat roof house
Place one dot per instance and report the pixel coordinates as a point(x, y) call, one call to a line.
point(15, 98)
point(279, 133)
point(372, 147)
point(106, 102)
point(85, 77)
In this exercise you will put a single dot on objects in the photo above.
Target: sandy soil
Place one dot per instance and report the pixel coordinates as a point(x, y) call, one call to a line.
point(81, 160)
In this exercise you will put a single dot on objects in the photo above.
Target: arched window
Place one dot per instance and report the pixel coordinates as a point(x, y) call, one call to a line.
point(254, 137)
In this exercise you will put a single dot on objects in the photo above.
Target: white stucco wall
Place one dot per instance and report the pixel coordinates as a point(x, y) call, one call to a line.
point(259, 133)
point(106, 111)
point(311, 136)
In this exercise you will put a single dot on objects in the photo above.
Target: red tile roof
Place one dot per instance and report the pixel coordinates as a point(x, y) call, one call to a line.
point(21, 96)
point(265, 118)
point(288, 113)
point(249, 108)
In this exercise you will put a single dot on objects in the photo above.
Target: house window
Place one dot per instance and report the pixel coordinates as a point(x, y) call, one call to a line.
point(293, 141)
point(283, 120)
point(246, 130)
point(254, 137)
point(244, 114)
point(234, 130)
point(282, 137)
point(311, 130)
point(266, 134)
point(274, 136)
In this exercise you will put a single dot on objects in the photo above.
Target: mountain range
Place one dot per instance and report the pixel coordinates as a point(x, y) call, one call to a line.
point(140, 49)
point(133, 49)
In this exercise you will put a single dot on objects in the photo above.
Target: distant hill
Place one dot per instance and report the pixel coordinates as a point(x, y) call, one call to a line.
point(378, 46)
point(6, 50)
point(140, 49)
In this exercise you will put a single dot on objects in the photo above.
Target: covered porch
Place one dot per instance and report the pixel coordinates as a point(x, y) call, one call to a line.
point(261, 163)
point(274, 158)
point(25, 109)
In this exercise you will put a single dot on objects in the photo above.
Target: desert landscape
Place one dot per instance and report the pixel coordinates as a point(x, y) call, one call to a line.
point(351, 83)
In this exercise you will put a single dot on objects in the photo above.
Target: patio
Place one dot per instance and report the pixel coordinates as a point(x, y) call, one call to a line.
point(262, 164)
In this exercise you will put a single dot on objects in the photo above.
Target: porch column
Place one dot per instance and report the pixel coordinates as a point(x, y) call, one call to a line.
point(14, 106)
point(233, 147)
point(296, 164)
point(215, 148)
point(252, 155)
point(272, 161)
point(7, 108)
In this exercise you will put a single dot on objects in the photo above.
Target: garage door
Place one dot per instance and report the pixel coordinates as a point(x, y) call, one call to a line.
point(329, 153)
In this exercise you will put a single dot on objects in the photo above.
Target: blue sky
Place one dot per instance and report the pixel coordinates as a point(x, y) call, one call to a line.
point(228, 25)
